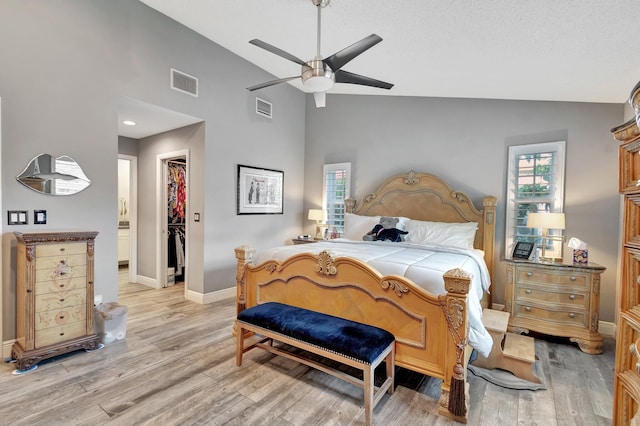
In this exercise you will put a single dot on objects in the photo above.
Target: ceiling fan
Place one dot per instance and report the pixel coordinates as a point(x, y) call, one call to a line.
point(318, 75)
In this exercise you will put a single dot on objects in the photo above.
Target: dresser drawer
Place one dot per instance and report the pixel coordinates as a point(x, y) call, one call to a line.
point(60, 317)
point(570, 279)
point(76, 283)
point(61, 299)
point(577, 318)
point(573, 300)
point(58, 334)
point(46, 250)
point(630, 291)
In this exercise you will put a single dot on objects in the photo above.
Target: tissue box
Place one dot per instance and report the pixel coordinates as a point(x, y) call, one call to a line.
point(581, 257)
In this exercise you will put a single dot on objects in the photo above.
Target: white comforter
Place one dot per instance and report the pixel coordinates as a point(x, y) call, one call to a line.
point(424, 265)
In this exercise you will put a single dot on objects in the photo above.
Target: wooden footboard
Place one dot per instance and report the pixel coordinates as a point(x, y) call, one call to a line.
point(430, 331)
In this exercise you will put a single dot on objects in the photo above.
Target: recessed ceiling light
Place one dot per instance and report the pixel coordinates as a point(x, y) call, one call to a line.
point(129, 122)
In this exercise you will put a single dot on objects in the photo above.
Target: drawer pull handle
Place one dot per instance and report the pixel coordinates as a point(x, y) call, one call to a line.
point(29, 290)
point(529, 274)
point(527, 308)
point(61, 317)
point(572, 297)
point(572, 315)
point(62, 334)
point(62, 249)
point(573, 278)
point(528, 291)
point(61, 285)
point(62, 300)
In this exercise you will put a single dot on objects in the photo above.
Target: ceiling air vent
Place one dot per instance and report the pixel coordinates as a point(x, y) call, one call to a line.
point(264, 108)
point(184, 83)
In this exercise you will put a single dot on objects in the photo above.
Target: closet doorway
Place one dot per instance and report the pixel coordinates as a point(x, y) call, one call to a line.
point(173, 253)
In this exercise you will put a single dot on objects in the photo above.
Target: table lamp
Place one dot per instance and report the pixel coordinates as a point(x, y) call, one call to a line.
point(319, 216)
point(547, 221)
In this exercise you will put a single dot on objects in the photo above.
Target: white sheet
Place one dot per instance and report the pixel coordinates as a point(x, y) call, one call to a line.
point(424, 265)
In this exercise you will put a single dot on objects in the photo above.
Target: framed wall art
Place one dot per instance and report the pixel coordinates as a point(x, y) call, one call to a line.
point(260, 191)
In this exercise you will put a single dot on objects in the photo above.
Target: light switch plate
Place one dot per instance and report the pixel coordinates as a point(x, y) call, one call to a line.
point(17, 217)
point(39, 217)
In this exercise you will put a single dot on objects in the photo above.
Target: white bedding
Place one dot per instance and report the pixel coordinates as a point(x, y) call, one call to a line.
point(422, 264)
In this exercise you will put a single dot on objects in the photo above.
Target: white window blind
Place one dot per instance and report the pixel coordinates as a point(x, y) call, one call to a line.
point(536, 184)
point(336, 188)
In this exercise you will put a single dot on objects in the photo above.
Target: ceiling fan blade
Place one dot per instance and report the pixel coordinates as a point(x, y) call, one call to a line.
point(277, 51)
point(270, 83)
point(351, 78)
point(320, 98)
point(339, 59)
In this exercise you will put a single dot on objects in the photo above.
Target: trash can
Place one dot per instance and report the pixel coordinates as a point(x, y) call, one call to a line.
point(110, 322)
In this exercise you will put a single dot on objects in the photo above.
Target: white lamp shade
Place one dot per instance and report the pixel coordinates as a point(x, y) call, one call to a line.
point(316, 214)
point(546, 220)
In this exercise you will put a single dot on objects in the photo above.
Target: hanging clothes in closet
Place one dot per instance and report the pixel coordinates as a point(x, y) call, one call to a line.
point(177, 204)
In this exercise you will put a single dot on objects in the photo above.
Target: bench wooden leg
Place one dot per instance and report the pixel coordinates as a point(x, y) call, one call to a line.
point(239, 345)
point(391, 370)
point(368, 394)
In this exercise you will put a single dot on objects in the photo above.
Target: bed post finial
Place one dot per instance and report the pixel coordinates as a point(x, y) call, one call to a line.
point(454, 398)
point(349, 205)
point(245, 255)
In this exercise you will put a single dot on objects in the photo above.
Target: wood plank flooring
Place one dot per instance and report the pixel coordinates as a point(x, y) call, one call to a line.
point(177, 367)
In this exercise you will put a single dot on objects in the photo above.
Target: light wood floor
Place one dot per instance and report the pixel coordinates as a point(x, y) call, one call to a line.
point(177, 367)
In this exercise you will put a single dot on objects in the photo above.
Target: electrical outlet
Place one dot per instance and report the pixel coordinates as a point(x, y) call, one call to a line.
point(97, 299)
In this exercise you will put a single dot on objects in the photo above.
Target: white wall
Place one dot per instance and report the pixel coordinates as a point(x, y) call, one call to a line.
point(465, 141)
point(62, 75)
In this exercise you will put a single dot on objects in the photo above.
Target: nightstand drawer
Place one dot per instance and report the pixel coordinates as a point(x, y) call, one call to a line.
point(576, 318)
point(531, 275)
point(526, 294)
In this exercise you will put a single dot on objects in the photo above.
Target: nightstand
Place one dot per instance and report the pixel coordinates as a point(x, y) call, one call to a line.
point(303, 240)
point(559, 299)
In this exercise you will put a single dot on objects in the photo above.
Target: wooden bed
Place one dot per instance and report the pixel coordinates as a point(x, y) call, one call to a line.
point(431, 330)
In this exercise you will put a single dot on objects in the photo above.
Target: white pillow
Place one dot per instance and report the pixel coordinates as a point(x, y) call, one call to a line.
point(441, 233)
point(355, 226)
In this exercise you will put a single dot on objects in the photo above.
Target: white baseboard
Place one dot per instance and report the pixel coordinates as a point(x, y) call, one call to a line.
point(6, 348)
point(150, 282)
point(607, 328)
point(212, 297)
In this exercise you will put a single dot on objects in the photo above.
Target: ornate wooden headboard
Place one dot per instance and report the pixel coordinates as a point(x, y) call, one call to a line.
point(423, 196)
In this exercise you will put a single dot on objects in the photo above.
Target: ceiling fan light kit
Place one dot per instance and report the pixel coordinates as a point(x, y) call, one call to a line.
point(318, 75)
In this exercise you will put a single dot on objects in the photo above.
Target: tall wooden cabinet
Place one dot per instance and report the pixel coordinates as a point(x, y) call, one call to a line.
point(627, 371)
point(54, 295)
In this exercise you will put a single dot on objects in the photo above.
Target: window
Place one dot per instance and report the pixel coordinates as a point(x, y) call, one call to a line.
point(336, 188)
point(536, 184)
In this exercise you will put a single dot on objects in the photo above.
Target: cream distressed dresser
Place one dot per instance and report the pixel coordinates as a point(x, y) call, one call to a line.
point(626, 390)
point(555, 298)
point(54, 295)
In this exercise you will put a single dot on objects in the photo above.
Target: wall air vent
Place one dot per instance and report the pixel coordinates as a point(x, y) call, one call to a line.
point(264, 108)
point(184, 83)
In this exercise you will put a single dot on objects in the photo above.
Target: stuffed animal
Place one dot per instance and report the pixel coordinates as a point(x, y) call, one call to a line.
point(385, 231)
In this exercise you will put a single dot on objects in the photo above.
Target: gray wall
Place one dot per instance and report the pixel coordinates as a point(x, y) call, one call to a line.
point(465, 142)
point(69, 63)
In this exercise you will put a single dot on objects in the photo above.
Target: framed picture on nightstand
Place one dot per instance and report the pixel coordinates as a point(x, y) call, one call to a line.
point(523, 250)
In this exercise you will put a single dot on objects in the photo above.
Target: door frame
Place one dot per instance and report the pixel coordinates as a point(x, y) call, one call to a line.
point(133, 215)
point(162, 217)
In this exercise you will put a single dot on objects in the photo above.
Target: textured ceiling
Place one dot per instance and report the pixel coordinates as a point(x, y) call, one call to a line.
point(569, 50)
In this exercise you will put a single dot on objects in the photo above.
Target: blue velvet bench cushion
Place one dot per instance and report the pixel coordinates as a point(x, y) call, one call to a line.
point(349, 338)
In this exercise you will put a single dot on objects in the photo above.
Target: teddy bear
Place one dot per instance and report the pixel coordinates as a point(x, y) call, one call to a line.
point(385, 231)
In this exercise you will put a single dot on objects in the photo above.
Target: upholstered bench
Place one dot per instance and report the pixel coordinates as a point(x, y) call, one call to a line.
point(348, 342)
